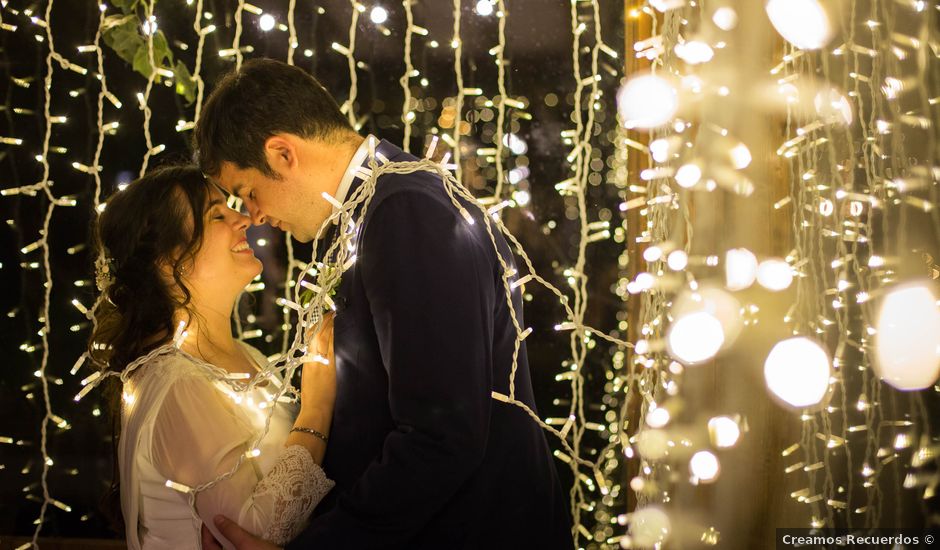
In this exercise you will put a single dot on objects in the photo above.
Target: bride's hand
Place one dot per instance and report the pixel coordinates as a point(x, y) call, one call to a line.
point(318, 381)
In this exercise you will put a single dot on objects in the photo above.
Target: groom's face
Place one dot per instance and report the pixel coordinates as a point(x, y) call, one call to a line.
point(276, 202)
point(292, 202)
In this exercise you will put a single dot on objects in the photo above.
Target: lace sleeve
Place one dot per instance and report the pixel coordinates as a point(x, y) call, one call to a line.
point(293, 486)
point(198, 435)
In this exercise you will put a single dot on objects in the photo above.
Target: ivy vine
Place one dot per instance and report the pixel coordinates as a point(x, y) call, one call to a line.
point(124, 34)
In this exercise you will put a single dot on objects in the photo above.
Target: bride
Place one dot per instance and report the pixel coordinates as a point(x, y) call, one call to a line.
point(175, 255)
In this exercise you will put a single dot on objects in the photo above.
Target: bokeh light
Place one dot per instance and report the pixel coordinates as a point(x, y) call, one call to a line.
point(797, 371)
point(378, 15)
point(803, 23)
point(908, 338)
point(695, 337)
point(704, 466)
point(740, 268)
point(724, 431)
point(647, 101)
point(649, 526)
point(266, 22)
point(774, 274)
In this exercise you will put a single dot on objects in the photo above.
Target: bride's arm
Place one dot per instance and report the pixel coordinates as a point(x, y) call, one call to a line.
point(199, 435)
point(317, 396)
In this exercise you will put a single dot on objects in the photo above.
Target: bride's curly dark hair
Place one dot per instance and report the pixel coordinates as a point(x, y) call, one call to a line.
point(148, 233)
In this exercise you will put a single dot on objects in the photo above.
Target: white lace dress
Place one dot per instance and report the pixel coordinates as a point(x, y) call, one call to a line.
point(179, 425)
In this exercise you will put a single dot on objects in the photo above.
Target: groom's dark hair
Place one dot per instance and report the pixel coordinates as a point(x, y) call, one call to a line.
point(262, 98)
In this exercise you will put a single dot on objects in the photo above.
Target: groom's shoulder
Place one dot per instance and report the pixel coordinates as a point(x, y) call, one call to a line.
point(421, 185)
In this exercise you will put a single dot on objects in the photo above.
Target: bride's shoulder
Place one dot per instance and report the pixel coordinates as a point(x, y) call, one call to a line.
point(168, 367)
point(255, 354)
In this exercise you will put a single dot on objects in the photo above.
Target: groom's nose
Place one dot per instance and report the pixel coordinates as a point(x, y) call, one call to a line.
point(257, 217)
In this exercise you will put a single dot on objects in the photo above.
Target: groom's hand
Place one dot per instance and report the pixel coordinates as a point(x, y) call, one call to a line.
point(243, 540)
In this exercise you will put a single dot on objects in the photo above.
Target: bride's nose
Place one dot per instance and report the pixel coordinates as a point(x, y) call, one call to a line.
point(242, 222)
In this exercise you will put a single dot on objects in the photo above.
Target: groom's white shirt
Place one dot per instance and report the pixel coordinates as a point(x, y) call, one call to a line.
point(351, 171)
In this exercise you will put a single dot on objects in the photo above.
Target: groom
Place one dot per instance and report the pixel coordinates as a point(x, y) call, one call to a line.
point(422, 455)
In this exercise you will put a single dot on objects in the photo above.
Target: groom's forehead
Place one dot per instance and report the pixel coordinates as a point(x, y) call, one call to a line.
point(228, 179)
point(218, 185)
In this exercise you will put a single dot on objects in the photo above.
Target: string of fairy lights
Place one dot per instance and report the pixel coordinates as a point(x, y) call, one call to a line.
point(859, 145)
point(651, 374)
point(499, 50)
point(291, 260)
point(150, 24)
point(457, 45)
point(407, 115)
point(292, 30)
point(349, 106)
point(47, 275)
point(836, 262)
point(150, 30)
point(576, 276)
point(841, 283)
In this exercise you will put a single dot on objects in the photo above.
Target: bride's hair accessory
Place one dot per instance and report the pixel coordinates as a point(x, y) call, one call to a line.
point(104, 271)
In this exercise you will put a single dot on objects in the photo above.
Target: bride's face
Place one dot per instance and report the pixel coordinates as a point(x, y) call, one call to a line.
point(225, 262)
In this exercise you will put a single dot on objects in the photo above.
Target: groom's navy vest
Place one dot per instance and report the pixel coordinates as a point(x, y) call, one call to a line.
point(422, 455)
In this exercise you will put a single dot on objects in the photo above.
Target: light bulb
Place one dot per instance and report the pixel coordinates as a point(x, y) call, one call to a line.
point(484, 7)
point(378, 15)
point(515, 143)
point(740, 156)
point(908, 338)
point(833, 107)
point(695, 337)
point(740, 268)
point(774, 274)
point(797, 371)
point(677, 260)
point(715, 301)
point(653, 254)
point(694, 52)
point(666, 5)
point(704, 466)
point(649, 526)
point(266, 22)
point(658, 417)
point(150, 26)
point(688, 175)
point(724, 431)
point(659, 149)
point(725, 18)
point(652, 444)
point(803, 23)
point(647, 101)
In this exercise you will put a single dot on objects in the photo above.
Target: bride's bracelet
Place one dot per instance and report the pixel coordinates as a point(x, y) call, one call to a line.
point(311, 431)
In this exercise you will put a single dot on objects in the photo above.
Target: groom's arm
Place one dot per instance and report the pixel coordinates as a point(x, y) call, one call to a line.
point(431, 294)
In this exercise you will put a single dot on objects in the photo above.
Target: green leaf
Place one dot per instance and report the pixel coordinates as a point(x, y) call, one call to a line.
point(185, 85)
point(161, 50)
point(142, 61)
point(120, 34)
point(127, 6)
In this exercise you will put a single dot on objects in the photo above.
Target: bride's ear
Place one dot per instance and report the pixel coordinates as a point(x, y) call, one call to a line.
point(175, 265)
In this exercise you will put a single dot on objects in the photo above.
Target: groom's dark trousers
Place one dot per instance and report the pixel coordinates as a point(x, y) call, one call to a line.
point(422, 455)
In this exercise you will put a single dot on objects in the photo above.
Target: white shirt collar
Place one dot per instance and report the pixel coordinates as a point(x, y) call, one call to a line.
point(357, 160)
